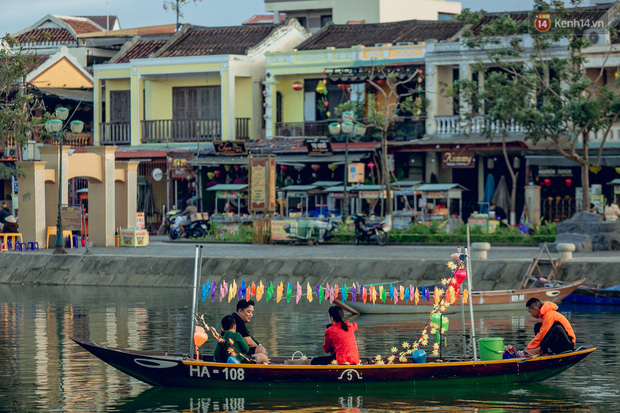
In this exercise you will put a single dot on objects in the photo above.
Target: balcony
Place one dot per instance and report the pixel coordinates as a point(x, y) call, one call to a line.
point(183, 130)
point(454, 125)
point(403, 128)
point(115, 133)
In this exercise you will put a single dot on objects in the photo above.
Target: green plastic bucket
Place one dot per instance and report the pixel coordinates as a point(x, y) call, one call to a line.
point(491, 348)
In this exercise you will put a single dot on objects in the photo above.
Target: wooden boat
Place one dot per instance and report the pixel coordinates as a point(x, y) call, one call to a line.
point(177, 370)
point(584, 293)
point(500, 300)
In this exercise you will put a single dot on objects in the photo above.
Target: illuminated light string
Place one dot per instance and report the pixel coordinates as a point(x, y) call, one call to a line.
point(442, 298)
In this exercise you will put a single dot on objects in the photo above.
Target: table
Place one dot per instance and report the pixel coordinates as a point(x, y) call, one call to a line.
point(12, 236)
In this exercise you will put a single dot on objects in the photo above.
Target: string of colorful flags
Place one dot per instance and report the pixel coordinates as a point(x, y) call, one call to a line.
point(360, 292)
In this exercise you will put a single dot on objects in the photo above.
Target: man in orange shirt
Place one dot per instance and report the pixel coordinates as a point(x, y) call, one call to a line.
point(555, 335)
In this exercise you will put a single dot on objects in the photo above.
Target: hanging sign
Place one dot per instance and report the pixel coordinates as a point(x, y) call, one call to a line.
point(229, 148)
point(356, 172)
point(551, 172)
point(457, 159)
point(319, 146)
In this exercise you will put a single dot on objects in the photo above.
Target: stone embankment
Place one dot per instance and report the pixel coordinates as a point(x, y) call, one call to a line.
point(156, 270)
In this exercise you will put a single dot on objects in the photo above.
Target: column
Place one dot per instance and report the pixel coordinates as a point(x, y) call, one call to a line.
point(135, 107)
point(126, 195)
point(101, 199)
point(269, 95)
point(532, 202)
point(32, 202)
point(464, 108)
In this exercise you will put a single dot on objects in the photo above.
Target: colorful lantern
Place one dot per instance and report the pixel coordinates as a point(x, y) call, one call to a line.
point(320, 88)
point(569, 181)
point(210, 175)
point(283, 167)
point(332, 167)
point(236, 167)
point(460, 275)
point(227, 168)
point(547, 181)
point(595, 169)
point(370, 165)
point(380, 82)
point(297, 86)
point(217, 173)
point(315, 167)
point(344, 86)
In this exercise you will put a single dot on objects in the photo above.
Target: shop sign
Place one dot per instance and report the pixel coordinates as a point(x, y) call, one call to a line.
point(229, 148)
point(374, 194)
point(71, 218)
point(157, 174)
point(184, 172)
point(262, 183)
point(434, 194)
point(297, 194)
point(356, 173)
point(340, 195)
point(551, 172)
point(228, 195)
point(319, 146)
point(457, 159)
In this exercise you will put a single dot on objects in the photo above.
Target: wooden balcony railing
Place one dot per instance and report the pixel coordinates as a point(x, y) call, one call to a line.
point(115, 133)
point(402, 128)
point(170, 130)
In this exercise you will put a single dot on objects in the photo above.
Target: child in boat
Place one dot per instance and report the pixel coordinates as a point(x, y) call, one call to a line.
point(339, 341)
point(232, 344)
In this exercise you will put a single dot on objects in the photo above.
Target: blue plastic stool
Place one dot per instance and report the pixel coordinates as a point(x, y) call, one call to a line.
point(19, 245)
point(75, 241)
point(9, 244)
point(32, 246)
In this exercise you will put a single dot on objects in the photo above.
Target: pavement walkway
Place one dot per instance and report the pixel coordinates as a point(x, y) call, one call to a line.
point(160, 246)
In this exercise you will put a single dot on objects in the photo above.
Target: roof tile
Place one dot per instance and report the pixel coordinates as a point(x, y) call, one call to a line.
point(201, 41)
point(102, 20)
point(347, 35)
point(46, 36)
point(81, 26)
point(141, 49)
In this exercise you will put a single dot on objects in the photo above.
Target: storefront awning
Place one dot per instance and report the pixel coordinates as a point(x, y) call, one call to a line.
point(289, 160)
point(228, 187)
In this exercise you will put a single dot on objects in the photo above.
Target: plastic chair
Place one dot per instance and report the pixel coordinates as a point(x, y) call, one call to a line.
point(9, 244)
point(3, 247)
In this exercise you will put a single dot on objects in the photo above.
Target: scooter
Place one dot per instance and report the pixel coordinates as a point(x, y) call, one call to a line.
point(196, 229)
point(369, 233)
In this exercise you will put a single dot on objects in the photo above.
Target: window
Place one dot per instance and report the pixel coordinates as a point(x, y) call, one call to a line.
point(302, 21)
point(192, 103)
point(326, 19)
point(120, 106)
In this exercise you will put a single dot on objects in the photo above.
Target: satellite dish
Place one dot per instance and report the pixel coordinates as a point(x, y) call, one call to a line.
point(593, 37)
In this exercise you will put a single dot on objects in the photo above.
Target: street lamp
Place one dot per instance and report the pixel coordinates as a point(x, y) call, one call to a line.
point(56, 130)
point(349, 129)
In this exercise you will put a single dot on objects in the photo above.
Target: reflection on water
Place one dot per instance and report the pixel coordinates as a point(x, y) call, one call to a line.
point(43, 370)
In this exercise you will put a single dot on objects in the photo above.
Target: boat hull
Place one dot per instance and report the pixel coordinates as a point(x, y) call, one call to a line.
point(501, 300)
point(176, 371)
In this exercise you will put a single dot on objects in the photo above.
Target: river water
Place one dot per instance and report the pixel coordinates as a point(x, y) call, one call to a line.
point(41, 369)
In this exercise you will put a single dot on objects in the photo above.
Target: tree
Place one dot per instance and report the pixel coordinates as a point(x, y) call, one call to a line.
point(542, 85)
point(176, 6)
point(18, 121)
point(397, 90)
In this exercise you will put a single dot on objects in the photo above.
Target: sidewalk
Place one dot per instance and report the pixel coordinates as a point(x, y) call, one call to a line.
point(160, 246)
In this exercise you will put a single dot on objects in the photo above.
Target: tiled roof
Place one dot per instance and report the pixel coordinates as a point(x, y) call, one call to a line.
point(141, 49)
point(102, 20)
point(46, 36)
point(202, 41)
point(81, 26)
point(38, 61)
point(342, 36)
point(582, 14)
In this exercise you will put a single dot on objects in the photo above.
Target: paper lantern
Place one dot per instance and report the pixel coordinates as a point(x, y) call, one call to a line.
point(547, 181)
point(326, 103)
point(236, 167)
point(595, 169)
point(320, 88)
point(569, 181)
point(217, 173)
point(297, 86)
point(618, 170)
point(283, 167)
point(227, 168)
point(460, 275)
point(370, 165)
point(332, 167)
point(210, 175)
point(344, 86)
point(380, 82)
point(315, 167)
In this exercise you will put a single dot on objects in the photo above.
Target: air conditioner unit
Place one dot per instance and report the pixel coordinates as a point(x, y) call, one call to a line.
point(10, 152)
point(597, 37)
point(404, 43)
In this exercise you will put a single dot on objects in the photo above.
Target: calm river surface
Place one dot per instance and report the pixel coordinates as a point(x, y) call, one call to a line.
point(41, 369)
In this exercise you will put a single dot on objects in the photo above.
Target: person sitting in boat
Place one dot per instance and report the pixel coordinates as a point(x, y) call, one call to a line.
point(243, 315)
point(232, 345)
point(339, 341)
point(555, 334)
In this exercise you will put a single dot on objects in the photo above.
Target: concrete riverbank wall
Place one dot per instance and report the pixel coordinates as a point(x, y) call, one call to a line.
point(177, 272)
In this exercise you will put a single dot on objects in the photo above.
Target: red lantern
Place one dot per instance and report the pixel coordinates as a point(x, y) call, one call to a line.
point(326, 103)
point(217, 173)
point(236, 167)
point(343, 86)
point(569, 181)
point(380, 82)
point(283, 167)
point(297, 86)
point(460, 275)
point(315, 167)
point(370, 165)
point(547, 181)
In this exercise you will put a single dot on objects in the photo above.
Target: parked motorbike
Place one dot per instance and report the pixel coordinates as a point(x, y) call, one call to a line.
point(376, 232)
point(198, 228)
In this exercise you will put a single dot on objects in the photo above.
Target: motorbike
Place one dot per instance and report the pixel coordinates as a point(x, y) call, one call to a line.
point(376, 232)
point(197, 228)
